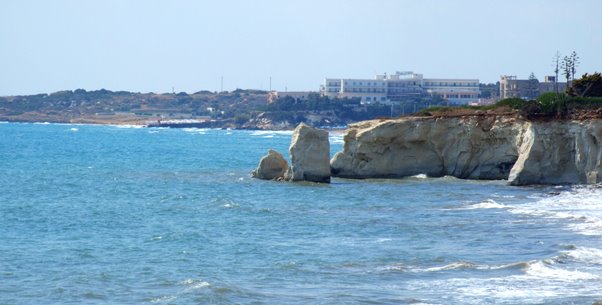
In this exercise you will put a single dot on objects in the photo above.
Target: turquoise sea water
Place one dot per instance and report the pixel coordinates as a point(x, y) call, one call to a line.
point(110, 215)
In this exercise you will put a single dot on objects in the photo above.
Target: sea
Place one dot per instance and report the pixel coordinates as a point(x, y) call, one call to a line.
point(127, 215)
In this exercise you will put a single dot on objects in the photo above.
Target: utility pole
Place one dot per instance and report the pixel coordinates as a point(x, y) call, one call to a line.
point(270, 84)
point(556, 61)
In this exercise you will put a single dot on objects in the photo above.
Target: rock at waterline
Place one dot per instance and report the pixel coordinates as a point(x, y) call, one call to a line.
point(272, 166)
point(310, 155)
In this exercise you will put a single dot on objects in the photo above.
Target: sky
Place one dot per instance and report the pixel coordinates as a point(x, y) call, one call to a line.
point(191, 45)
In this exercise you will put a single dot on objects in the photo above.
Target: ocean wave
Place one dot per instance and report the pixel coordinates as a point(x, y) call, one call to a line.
point(336, 138)
point(487, 204)
point(465, 265)
point(542, 269)
point(452, 266)
point(128, 126)
point(545, 268)
point(581, 207)
point(163, 299)
point(272, 133)
point(583, 254)
point(200, 131)
point(191, 284)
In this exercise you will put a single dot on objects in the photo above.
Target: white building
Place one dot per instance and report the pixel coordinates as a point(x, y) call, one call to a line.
point(369, 90)
point(402, 86)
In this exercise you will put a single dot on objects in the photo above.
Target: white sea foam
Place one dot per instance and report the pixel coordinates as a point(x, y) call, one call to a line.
point(194, 284)
point(420, 176)
point(128, 126)
point(487, 204)
point(585, 255)
point(536, 285)
point(543, 270)
point(272, 133)
point(200, 131)
point(452, 266)
point(163, 299)
point(581, 207)
point(336, 138)
point(74, 129)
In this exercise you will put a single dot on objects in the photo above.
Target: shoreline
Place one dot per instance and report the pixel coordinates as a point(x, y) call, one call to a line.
point(149, 124)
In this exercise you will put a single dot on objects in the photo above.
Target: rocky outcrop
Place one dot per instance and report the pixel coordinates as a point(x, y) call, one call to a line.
point(310, 155)
point(272, 166)
point(474, 147)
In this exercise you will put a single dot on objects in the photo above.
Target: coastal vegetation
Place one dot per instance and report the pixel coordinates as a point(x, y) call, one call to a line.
point(583, 99)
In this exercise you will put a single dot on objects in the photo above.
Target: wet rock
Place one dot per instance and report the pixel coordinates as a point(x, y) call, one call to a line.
point(272, 166)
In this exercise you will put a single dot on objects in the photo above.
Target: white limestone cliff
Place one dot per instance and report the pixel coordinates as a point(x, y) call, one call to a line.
point(474, 147)
point(559, 153)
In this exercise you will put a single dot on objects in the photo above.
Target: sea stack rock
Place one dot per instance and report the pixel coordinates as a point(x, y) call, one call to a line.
point(310, 155)
point(272, 166)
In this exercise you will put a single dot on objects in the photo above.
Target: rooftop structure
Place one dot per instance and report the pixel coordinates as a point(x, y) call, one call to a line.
point(511, 86)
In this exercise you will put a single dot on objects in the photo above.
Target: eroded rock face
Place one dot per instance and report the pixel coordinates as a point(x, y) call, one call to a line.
point(310, 155)
point(475, 147)
point(272, 166)
point(559, 153)
point(471, 148)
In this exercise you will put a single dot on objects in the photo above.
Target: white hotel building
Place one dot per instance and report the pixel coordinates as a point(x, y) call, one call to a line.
point(402, 86)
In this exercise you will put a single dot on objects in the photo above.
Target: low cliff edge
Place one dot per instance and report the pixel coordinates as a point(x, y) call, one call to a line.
point(474, 147)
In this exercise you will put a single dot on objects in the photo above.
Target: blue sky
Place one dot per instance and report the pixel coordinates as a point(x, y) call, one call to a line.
point(152, 46)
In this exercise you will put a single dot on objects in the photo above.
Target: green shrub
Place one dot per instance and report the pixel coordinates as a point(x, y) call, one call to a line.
point(552, 103)
point(513, 103)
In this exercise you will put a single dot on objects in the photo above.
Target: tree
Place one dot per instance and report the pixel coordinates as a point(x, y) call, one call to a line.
point(533, 86)
point(566, 68)
point(574, 64)
point(587, 85)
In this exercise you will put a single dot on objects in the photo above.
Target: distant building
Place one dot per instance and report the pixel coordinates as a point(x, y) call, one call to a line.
point(511, 86)
point(402, 86)
point(298, 95)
